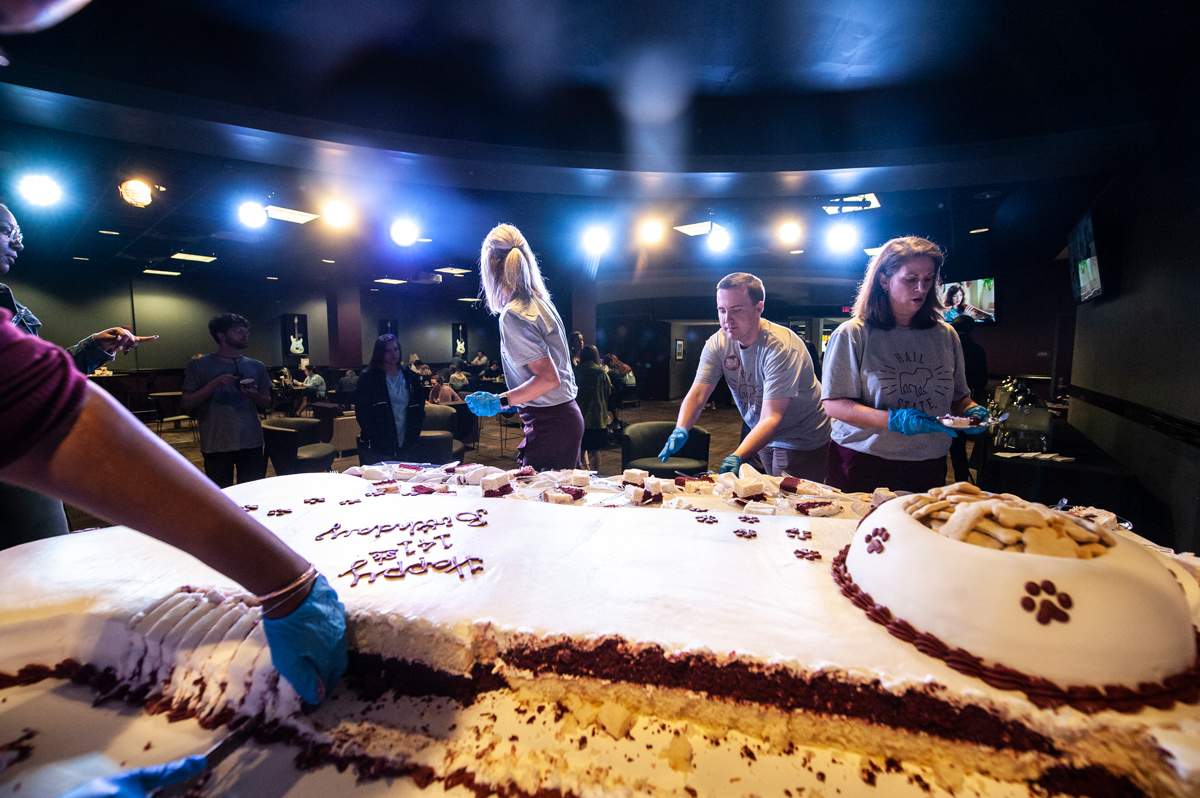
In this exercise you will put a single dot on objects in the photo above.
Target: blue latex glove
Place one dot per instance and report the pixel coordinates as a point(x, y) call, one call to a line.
point(674, 443)
point(139, 783)
point(911, 421)
point(308, 647)
point(731, 463)
point(482, 403)
point(980, 412)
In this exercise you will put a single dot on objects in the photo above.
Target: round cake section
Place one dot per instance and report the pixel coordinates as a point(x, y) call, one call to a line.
point(1098, 611)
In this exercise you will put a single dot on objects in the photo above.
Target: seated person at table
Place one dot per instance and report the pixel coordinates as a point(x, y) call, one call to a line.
point(347, 385)
point(313, 385)
point(480, 360)
point(494, 372)
point(421, 368)
point(440, 393)
point(458, 381)
point(618, 371)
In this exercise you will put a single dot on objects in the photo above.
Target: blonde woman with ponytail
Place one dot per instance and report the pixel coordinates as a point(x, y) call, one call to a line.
point(533, 349)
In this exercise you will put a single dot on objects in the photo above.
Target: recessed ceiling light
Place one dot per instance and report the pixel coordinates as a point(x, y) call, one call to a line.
point(78, 258)
point(326, 260)
point(980, 230)
point(987, 195)
point(697, 229)
point(468, 299)
point(272, 278)
point(452, 270)
point(160, 271)
point(374, 289)
point(424, 240)
point(796, 252)
point(390, 281)
point(289, 215)
point(197, 258)
point(110, 232)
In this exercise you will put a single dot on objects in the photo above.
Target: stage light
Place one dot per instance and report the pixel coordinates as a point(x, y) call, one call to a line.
point(718, 239)
point(136, 193)
point(652, 232)
point(39, 190)
point(338, 213)
point(252, 214)
point(404, 232)
point(596, 241)
point(841, 238)
point(789, 232)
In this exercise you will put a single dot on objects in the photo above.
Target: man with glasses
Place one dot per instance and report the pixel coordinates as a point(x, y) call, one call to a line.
point(25, 515)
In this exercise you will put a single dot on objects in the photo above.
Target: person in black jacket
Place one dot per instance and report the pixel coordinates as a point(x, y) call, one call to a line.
point(390, 404)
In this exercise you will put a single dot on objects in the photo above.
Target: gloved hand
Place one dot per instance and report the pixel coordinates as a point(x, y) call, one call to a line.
point(482, 403)
point(980, 412)
point(911, 421)
point(732, 463)
point(674, 443)
point(308, 646)
point(139, 783)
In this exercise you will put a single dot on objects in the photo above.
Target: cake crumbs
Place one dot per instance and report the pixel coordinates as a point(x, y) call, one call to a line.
point(748, 754)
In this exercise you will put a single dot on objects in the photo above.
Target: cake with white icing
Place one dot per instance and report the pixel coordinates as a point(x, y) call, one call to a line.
point(677, 616)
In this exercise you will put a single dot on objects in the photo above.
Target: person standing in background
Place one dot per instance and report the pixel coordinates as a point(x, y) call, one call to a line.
point(390, 405)
point(594, 392)
point(225, 391)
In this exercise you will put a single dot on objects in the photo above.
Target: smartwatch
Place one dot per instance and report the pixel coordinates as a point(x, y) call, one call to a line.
point(504, 400)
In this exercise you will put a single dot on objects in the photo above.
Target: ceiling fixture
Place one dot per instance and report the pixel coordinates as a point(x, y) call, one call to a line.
point(873, 251)
point(652, 232)
point(338, 213)
point(980, 230)
point(327, 260)
point(453, 270)
point(109, 232)
point(39, 189)
point(796, 252)
point(987, 195)
point(468, 299)
point(697, 229)
point(136, 193)
point(858, 202)
point(161, 271)
point(841, 238)
point(789, 232)
point(289, 215)
point(404, 232)
point(197, 258)
point(79, 258)
point(596, 241)
point(252, 214)
point(272, 278)
point(390, 281)
point(718, 239)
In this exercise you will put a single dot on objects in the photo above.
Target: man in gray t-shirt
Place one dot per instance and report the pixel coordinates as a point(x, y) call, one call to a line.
point(773, 381)
point(225, 391)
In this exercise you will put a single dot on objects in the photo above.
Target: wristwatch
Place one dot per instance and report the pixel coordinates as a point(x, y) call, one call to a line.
point(504, 400)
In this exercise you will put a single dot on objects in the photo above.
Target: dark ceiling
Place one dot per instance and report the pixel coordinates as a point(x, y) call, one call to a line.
point(554, 114)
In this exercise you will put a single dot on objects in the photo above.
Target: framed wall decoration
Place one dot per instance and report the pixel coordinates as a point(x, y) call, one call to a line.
point(294, 334)
point(679, 349)
point(458, 341)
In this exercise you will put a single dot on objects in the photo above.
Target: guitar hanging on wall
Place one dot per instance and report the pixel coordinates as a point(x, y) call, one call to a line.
point(297, 341)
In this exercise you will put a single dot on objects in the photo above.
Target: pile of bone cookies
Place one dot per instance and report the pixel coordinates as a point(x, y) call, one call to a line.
point(1002, 521)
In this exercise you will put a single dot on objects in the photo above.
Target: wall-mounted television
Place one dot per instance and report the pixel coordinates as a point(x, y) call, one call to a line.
point(1085, 266)
point(975, 299)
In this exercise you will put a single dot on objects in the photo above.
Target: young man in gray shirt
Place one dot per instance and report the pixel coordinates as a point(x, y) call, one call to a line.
point(773, 382)
point(225, 390)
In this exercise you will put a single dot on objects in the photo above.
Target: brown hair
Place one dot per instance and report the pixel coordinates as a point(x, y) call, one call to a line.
point(614, 362)
point(753, 285)
point(873, 305)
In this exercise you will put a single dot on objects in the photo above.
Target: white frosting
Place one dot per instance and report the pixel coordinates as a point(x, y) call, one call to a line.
point(660, 485)
point(1128, 622)
point(635, 476)
point(494, 481)
point(747, 487)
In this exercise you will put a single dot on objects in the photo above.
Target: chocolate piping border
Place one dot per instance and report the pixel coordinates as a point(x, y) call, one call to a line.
point(1183, 687)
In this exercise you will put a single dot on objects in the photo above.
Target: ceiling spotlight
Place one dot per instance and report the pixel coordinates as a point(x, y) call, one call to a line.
point(652, 232)
point(718, 239)
point(136, 193)
point(841, 238)
point(596, 241)
point(789, 232)
point(252, 214)
point(404, 232)
point(338, 213)
point(39, 190)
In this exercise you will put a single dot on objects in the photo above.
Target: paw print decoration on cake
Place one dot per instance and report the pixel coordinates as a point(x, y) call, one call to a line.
point(875, 540)
point(1048, 610)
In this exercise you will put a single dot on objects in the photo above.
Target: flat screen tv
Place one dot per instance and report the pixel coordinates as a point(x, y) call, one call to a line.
point(1085, 266)
point(975, 299)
